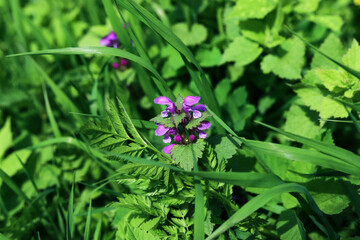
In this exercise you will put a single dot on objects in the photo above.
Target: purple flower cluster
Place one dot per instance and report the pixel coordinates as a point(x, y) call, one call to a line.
point(186, 112)
point(111, 40)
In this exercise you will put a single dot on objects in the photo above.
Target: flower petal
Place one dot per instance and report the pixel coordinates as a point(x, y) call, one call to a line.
point(164, 114)
point(191, 100)
point(105, 41)
point(167, 139)
point(200, 107)
point(204, 125)
point(202, 134)
point(163, 100)
point(196, 114)
point(167, 149)
point(161, 130)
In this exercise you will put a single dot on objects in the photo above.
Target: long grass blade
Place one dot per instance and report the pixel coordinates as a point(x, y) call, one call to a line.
point(87, 234)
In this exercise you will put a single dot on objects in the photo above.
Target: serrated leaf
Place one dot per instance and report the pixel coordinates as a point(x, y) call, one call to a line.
point(177, 118)
point(129, 126)
point(318, 101)
point(225, 146)
point(352, 57)
point(167, 122)
point(288, 65)
point(183, 154)
point(302, 121)
point(333, 22)
point(179, 102)
point(331, 79)
point(245, 9)
point(241, 51)
point(332, 46)
point(197, 121)
point(194, 35)
point(115, 120)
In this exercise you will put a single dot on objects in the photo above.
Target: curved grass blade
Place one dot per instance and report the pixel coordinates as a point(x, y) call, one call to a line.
point(88, 224)
point(50, 114)
point(345, 155)
point(259, 201)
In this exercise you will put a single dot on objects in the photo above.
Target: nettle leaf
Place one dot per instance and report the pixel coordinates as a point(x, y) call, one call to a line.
point(245, 9)
point(332, 79)
point(314, 98)
point(179, 102)
point(289, 64)
point(167, 122)
point(333, 22)
point(302, 121)
point(177, 118)
point(241, 51)
point(183, 154)
point(332, 47)
point(306, 6)
point(225, 146)
point(352, 57)
point(197, 121)
point(190, 36)
point(208, 57)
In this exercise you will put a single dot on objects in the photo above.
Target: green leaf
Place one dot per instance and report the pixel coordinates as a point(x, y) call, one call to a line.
point(222, 91)
point(6, 137)
point(333, 22)
point(197, 121)
point(287, 226)
point(208, 57)
point(301, 121)
point(167, 122)
point(225, 146)
point(115, 120)
point(191, 36)
point(10, 165)
point(179, 102)
point(332, 79)
point(177, 118)
point(314, 98)
point(352, 57)
point(286, 65)
point(183, 154)
point(245, 9)
point(241, 51)
point(306, 6)
point(332, 46)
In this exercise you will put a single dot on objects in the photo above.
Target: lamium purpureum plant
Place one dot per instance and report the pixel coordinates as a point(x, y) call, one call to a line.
point(182, 124)
point(111, 40)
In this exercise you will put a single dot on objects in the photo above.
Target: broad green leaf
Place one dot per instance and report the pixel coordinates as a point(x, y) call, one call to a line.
point(11, 165)
point(332, 79)
point(193, 35)
point(225, 147)
point(352, 57)
point(208, 57)
point(318, 101)
point(167, 122)
point(333, 22)
point(93, 35)
point(241, 51)
point(332, 46)
point(287, 226)
point(183, 154)
point(173, 62)
point(6, 137)
point(286, 65)
point(302, 121)
point(306, 6)
point(245, 9)
point(222, 91)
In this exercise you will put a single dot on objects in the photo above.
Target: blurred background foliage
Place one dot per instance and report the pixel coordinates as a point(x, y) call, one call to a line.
point(258, 70)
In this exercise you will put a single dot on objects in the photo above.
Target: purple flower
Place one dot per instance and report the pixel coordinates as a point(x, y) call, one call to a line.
point(110, 40)
point(115, 65)
point(179, 132)
point(124, 62)
point(188, 103)
point(167, 149)
point(165, 101)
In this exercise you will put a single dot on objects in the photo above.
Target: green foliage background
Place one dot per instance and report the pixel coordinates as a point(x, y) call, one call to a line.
point(78, 155)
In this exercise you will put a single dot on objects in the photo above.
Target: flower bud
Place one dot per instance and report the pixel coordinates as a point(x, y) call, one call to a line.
point(177, 138)
point(192, 137)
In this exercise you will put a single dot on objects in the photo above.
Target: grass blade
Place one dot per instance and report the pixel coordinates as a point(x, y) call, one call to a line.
point(50, 114)
point(70, 215)
point(88, 224)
